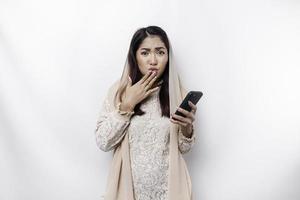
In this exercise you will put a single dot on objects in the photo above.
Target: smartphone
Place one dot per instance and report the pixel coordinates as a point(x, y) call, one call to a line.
point(194, 97)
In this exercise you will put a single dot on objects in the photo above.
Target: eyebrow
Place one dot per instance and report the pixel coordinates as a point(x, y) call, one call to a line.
point(157, 48)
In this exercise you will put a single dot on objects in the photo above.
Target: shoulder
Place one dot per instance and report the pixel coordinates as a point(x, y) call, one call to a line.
point(113, 88)
point(114, 85)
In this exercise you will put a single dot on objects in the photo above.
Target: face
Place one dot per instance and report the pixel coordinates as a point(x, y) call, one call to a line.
point(152, 55)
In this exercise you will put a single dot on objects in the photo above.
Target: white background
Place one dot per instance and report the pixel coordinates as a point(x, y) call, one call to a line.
point(58, 58)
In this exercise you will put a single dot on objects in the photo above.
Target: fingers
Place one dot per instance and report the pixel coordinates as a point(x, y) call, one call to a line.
point(178, 122)
point(145, 77)
point(183, 119)
point(187, 113)
point(149, 85)
point(193, 106)
point(129, 82)
point(150, 79)
point(151, 91)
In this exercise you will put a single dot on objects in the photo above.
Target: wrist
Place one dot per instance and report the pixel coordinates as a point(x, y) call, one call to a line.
point(125, 112)
point(187, 131)
point(127, 107)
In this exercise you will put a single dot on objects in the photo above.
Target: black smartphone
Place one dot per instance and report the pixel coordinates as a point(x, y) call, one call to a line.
point(194, 97)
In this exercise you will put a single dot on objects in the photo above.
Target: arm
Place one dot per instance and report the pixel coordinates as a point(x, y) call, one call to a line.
point(186, 135)
point(185, 143)
point(111, 125)
point(110, 128)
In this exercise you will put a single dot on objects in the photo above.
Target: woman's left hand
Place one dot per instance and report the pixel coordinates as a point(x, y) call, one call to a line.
point(187, 121)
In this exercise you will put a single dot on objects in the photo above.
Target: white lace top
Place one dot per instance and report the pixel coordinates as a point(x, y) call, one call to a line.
point(148, 143)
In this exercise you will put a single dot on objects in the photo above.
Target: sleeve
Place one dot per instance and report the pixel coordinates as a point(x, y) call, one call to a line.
point(185, 144)
point(110, 127)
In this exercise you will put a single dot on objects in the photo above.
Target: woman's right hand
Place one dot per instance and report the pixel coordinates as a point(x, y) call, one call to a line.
point(134, 94)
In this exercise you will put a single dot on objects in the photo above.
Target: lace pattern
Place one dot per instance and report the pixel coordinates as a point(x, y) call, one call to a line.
point(149, 137)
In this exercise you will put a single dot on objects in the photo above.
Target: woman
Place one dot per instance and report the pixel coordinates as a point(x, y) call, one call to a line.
point(135, 122)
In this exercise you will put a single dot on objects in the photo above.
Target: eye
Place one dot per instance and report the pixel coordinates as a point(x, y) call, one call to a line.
point(144, 53)
point(161, 52)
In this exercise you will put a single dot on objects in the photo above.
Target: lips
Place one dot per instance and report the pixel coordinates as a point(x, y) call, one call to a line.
point(152, 69)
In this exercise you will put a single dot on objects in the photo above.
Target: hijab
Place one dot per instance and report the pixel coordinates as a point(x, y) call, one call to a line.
point(120, 183)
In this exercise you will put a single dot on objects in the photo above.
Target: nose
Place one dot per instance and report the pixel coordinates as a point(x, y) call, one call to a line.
point(153, 60)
